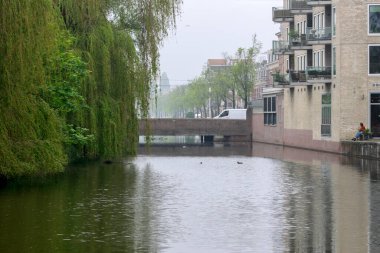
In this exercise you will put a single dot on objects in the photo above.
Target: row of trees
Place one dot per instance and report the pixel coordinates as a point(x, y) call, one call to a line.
point(215, 88)
point(74, 77)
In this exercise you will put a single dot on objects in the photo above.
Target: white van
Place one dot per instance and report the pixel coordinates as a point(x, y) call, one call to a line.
point(232, 114)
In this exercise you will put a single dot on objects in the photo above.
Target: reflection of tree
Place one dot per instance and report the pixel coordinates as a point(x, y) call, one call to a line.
point(86, 210)
point(374, 22)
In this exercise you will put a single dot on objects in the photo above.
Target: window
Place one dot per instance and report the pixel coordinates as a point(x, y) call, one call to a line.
point(301, 62)
point(319, 58)
point(270, 115)
point(224, 114)
point(304, 27)
point(334, 61)
point(326, 115)
point(374, 59)
point(322, 57)
point(319, 21)
point(333, 21)
point(374, 114)
point(304, 62)
point(322, 16)
point(287, 64)
point(298, 63)
point(374, 19)
point(287, 33)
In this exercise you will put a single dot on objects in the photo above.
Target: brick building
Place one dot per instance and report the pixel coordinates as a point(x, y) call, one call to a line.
point(329, 74)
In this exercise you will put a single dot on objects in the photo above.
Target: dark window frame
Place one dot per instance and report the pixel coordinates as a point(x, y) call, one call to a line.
point(374, 59)
point(326, 115)
point(374, 28)
point(270, 110)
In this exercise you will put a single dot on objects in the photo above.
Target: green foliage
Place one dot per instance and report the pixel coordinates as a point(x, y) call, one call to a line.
point(78, 136)
point(215, 87)
point(30, 131)
point(244, 69)
point(74, 81)
point(293, 34)
point(122, 57)
point(67, 72)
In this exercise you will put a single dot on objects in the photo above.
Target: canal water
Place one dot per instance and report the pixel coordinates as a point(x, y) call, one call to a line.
point(199, 198)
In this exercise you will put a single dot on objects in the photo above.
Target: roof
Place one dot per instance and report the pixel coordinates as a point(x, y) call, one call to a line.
point(216, 62)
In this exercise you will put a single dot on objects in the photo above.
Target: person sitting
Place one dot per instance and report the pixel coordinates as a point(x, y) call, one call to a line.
point(360, 132)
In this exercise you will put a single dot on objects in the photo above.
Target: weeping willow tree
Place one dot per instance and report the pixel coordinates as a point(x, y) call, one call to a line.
point(119, 40)
point(30, 130)
point(74, 77)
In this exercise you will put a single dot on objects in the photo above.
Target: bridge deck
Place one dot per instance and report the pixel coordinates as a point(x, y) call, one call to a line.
point(223, 127)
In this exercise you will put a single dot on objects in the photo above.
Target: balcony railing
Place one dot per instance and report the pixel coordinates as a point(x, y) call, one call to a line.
point(298, 41)
point(318, 73)
point(281, 15)
point(300, 5)
point(280, 46)
point(280, 79)
point(297, 76)
point(321, 34)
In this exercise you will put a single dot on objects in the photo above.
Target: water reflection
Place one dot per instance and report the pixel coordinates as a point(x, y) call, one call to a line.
point(193, 198)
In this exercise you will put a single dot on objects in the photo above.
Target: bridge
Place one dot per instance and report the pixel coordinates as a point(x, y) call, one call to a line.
point(230, 129)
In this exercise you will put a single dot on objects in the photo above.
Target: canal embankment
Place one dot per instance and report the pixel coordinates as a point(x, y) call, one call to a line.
point(363, 149)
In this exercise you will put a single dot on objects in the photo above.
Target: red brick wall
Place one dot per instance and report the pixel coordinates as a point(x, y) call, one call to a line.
point(288, 137)
point(304, 139)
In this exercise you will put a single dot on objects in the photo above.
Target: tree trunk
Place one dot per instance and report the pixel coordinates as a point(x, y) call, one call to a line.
point(233, 99)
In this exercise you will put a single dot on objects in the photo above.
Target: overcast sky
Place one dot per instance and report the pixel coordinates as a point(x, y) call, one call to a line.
point(208, 28)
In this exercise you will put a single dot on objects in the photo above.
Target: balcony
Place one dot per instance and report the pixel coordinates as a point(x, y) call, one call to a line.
point(318, 2)
point(300, 7)
point(280, 79)
point(281, 47)
point(297, 76)
point(299, 43)
point(282, 15)
point(318, 74)
point(318, 36)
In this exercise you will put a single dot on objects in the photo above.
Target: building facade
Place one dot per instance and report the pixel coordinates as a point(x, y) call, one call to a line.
point(329, 58)
point(164, 84)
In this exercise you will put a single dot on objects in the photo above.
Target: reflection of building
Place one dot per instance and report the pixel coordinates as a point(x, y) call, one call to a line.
point(329, 62)
point(375, 207)
point(332, 205)
point(164, 84)
point(351, 210)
